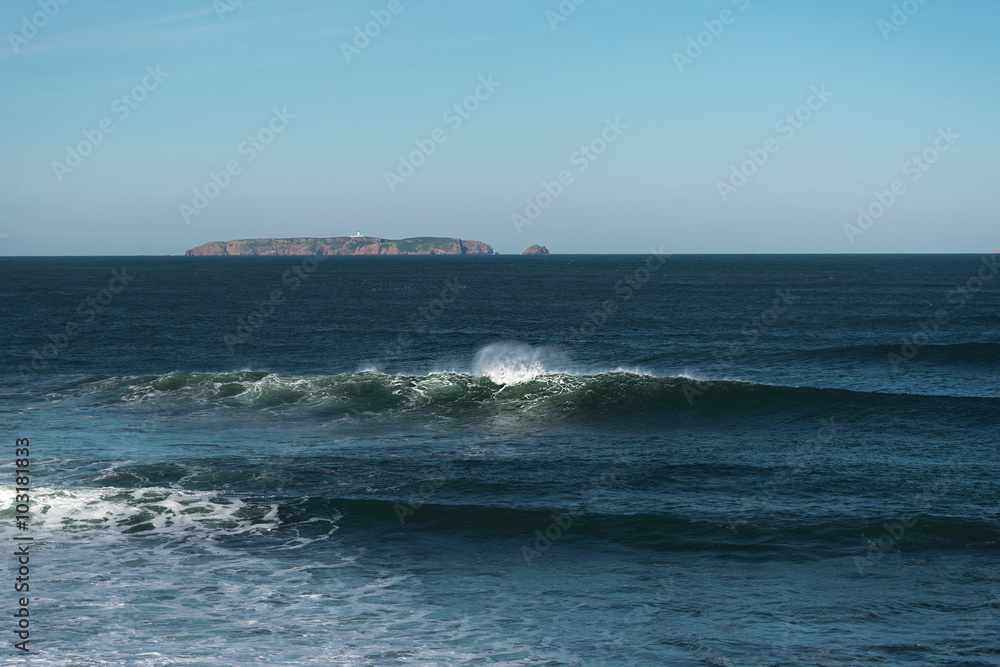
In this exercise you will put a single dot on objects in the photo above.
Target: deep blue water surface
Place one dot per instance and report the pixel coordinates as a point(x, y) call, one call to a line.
point(564, 460)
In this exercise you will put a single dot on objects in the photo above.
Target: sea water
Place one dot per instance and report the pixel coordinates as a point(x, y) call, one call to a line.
point(562, 460)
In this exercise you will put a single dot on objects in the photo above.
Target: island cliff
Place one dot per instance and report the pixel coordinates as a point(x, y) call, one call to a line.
point(536, 250)
point(344, 245)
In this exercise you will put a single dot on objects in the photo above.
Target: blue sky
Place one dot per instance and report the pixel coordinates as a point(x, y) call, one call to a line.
point(227, 66)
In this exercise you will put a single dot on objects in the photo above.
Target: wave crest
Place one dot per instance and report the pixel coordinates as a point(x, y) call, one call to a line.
point(512, 390)
point(515, 363)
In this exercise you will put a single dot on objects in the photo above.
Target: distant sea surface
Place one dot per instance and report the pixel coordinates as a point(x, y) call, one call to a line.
point(562, 460)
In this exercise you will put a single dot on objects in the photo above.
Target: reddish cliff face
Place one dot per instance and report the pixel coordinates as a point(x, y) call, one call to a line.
point(342, 245)
point(214, 248)
point(536, 250)
point(476, 248)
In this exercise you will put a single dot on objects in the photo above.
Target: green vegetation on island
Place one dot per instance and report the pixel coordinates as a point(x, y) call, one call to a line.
point(343, 245)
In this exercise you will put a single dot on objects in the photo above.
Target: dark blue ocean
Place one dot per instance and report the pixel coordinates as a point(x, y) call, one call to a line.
point(458, 460)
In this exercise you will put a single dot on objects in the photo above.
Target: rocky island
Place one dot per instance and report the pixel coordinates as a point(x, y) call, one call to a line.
point(536, 250)
point(343, 245)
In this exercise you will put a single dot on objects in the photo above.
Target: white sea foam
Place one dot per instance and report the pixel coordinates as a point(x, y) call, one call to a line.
point(514, 363)
point(79, 512)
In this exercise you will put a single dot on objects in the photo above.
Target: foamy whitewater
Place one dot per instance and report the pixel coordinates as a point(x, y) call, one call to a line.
point(735, 461)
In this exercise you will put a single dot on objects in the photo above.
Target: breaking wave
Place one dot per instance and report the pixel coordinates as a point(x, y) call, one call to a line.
point(527, 392)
